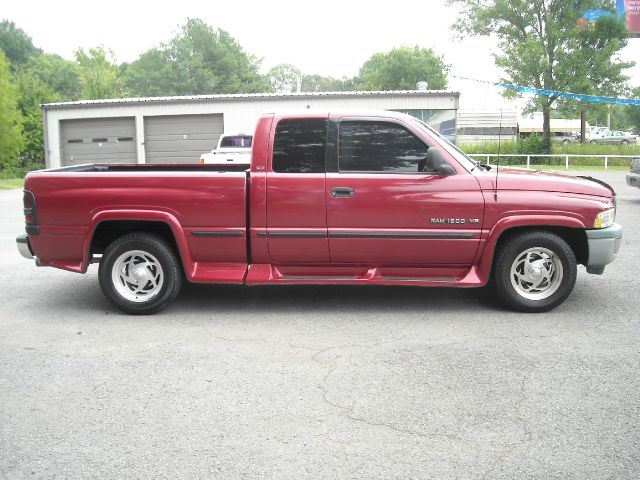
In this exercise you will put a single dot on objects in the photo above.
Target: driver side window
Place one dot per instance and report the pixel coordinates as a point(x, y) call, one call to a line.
point(376, 146)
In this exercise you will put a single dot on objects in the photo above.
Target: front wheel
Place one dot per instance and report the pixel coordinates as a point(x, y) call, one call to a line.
point(139, 274)
point(534, 271)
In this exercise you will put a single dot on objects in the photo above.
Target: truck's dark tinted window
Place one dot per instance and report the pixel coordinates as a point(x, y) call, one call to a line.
point(237, 141)
point(365, 146)
point(299, 146)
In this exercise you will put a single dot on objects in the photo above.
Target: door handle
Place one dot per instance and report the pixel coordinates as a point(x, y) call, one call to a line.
point(342, 192)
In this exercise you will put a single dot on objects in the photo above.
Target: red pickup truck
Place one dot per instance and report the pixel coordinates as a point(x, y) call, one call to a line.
point(357, 198)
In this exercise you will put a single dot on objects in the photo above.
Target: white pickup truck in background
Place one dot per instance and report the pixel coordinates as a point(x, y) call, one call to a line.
point(231, 149)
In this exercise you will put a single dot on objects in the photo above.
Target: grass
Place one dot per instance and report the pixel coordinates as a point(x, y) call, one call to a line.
point(571, 167)
point(558, 163)
point(6, 183)
point(511, 146)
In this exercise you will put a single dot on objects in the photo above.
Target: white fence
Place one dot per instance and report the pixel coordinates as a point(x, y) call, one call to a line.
point(567, 162)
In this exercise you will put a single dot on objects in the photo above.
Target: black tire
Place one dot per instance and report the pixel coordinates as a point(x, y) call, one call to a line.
point(512, 291)
point(625, 142)
point(159, 270)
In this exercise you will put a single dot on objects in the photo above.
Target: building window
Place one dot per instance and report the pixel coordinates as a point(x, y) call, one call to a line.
point(443, 121)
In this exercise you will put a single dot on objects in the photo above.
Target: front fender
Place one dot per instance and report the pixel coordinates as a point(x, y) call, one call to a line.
point(490, 238)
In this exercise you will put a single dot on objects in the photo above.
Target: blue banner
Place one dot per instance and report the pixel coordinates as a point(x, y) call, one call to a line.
point(573, 96)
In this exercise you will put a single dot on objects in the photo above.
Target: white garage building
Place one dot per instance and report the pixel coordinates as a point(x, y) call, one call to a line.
point(179, 129)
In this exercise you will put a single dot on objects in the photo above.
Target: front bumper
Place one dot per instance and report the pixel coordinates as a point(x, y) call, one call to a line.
point(633, 180)
point(22, 242)
point(604, 244)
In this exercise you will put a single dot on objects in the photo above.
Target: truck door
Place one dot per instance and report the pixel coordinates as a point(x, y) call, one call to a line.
point(384, 206)
point(296, 182)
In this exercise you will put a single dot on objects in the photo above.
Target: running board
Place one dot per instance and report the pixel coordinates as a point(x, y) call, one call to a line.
point(266, 274)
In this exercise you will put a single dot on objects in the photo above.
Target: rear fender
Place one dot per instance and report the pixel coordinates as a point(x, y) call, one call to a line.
point(141, 215)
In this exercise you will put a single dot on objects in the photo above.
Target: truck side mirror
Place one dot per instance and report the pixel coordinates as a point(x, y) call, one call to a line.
point(434, 162)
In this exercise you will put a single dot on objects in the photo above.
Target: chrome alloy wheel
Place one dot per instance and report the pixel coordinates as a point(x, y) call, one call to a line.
point(137, 276)
point(536, 273)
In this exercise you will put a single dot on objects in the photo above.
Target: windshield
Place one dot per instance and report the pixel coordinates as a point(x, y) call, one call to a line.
point(450, 147)
point(236, 141)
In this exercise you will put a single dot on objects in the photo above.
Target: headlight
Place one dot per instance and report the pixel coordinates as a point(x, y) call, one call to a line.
point(605, 219)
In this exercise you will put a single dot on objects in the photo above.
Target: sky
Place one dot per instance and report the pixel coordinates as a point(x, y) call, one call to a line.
point(331, 37)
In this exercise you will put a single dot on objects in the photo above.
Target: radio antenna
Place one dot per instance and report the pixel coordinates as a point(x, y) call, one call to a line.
point(495, 193)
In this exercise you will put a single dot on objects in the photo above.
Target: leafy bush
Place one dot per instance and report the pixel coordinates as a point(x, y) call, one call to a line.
point(533, 144)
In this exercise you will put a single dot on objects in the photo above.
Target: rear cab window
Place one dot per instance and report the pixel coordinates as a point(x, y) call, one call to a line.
point(300, 145)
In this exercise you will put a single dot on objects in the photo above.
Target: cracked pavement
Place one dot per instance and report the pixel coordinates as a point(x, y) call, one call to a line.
point(318, 382)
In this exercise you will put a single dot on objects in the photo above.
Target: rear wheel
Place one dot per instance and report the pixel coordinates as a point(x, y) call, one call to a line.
point(534, 271)
point(140, 274)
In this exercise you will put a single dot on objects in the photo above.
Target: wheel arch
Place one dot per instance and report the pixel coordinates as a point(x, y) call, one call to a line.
point(576, 238)
point(571, 230)
point(107, 226)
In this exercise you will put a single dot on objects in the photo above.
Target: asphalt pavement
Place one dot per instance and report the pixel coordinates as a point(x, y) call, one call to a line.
point(319, 382)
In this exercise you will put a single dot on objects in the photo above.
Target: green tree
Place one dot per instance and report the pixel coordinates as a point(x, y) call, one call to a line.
point(16, 44)
point(319, 83)
point(63, 76)
point(543, 44)
point(283, 76)
point(99, 75)
point(198, 60)
point(402, 68)
point(632, 112)
point(11, 140)
point(33, 92)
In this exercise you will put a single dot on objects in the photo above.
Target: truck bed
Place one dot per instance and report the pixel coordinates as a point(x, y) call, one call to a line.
point(106, 167)
point(204, 206)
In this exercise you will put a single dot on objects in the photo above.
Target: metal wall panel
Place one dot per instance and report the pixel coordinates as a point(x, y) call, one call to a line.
point(98, 140)
point(181, 138)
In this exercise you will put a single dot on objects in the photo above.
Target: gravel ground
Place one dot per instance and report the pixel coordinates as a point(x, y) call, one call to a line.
point(318, 382)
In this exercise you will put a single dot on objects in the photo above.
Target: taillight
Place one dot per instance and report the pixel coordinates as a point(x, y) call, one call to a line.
point(30, 215)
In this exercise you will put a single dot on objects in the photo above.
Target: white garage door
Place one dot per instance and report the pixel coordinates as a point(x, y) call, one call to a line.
point(181, 138)
point(98, 140)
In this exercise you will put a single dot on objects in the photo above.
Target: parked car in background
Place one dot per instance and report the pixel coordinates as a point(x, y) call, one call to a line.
point(616, 137)
point(633, 179)
point(566, 137)
point(598, 132)
point(231, 149)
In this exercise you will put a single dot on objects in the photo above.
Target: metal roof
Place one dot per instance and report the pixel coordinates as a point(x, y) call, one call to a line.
point(241, 96)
